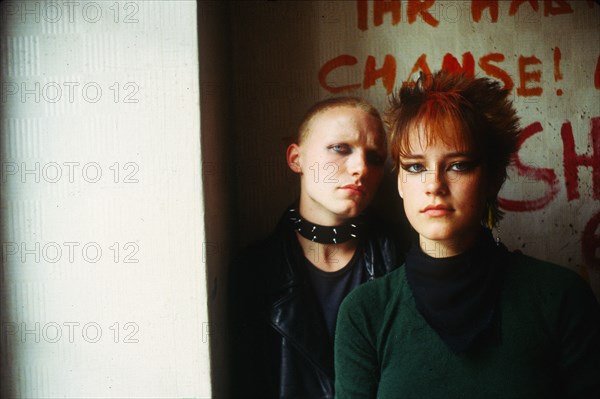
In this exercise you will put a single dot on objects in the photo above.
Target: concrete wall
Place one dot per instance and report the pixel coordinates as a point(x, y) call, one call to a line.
point(287, 55)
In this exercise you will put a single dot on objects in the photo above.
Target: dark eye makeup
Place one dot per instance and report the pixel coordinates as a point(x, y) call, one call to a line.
point(456, 166)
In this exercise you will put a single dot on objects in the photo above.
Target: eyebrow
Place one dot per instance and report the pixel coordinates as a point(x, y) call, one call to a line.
point(451, 155)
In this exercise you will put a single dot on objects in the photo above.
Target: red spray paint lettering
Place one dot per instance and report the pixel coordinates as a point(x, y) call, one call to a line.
point(427, 10)
point(415, 8)
point(557, 73)
point(540, 174)
point(572, 160)
point(526, 77)
point(529, 68)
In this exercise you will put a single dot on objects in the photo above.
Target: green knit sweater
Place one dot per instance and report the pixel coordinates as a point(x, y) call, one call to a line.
point(549, 346)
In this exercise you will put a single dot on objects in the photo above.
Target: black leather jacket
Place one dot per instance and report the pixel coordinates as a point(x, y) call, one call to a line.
point(281, 347)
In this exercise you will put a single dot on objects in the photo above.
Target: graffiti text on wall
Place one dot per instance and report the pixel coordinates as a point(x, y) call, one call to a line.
point(528, 76)
point(528, 80)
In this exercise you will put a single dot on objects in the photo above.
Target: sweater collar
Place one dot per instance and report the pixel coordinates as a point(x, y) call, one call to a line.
point(458, 295)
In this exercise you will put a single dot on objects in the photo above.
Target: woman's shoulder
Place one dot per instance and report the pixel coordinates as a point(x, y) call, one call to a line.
point(368, 306)
point(528, 267)
point(379, 291)
point(551, 285)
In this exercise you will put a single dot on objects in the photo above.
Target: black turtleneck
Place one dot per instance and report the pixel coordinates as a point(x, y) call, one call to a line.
point(458, 295)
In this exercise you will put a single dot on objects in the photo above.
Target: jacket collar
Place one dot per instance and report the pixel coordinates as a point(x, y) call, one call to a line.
point(294, 311)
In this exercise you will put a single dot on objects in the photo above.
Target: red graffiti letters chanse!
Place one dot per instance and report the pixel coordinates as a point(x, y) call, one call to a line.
point(529, 68)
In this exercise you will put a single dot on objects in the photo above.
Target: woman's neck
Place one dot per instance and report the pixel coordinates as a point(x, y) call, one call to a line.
point(447, 248)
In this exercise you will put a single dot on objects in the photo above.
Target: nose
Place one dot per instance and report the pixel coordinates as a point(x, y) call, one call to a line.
point(435, 183)
point(358, 164)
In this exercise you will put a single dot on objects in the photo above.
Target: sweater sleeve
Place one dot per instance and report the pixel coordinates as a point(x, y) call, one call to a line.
point(579, 339)
point(356, 364)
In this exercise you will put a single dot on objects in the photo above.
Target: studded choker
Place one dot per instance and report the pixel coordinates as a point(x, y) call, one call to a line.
point(324, 234)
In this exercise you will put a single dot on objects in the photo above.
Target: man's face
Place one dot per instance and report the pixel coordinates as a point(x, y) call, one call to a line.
point(341, 163)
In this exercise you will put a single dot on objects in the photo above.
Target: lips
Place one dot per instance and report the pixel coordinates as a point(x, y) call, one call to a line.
point(354, 188)
point(437, 210)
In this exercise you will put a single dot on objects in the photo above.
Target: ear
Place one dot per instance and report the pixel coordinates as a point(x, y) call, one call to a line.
point(293, 157)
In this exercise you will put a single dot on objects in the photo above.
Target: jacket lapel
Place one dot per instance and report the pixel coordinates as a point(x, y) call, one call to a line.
point(295, 313)
point(304, 328)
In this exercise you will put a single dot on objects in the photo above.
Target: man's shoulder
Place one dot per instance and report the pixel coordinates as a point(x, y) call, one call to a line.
point(258, 248)
point(268, 244)
point(266, 263)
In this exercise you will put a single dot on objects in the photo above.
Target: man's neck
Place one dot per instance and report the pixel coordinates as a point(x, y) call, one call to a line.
point(328, 257)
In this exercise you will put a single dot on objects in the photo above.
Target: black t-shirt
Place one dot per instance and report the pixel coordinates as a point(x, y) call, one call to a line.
point(332, 287)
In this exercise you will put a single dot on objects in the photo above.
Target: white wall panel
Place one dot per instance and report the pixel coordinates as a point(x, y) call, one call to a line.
point(103, 287)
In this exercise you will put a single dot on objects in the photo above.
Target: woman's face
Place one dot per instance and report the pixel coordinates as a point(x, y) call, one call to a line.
point(444, 190)
point(341, 162)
